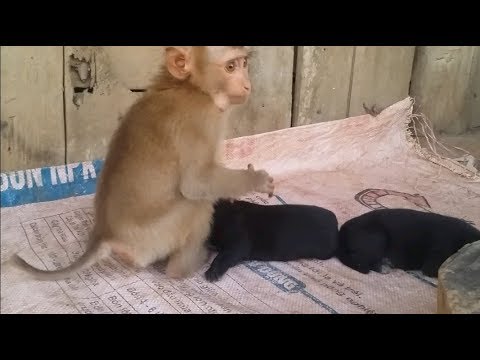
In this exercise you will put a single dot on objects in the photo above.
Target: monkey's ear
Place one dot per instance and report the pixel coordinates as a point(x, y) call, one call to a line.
point(177, 62)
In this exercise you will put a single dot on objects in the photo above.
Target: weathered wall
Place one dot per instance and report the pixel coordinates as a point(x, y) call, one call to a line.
point(93, 106)
point(446, 83)
point(322, 83)
point(61, 104)
point(334, 82)
point(32, 121)
point(119, 74)
point(473, 96)
point(270, 106)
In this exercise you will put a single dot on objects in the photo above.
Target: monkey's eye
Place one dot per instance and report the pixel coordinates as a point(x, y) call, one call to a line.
point(245, 62)
point(230, 67)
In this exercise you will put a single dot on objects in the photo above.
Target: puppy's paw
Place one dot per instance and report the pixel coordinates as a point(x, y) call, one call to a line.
point(212, 274)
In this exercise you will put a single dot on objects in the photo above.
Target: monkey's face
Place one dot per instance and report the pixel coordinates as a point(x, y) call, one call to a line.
point(220, 71)
point(226, 77)
point(237, 80)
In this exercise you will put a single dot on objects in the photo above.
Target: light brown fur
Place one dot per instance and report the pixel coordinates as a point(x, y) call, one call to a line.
point(162, 172)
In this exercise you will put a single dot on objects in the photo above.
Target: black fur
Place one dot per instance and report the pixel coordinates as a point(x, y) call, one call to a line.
point(408, 239)
point(244, 231)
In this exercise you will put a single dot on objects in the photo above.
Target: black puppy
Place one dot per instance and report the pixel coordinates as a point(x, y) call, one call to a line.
point(409, 239)
point(244, 231)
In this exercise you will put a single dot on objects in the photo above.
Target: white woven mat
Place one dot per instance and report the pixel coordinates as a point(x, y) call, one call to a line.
point(349, 166)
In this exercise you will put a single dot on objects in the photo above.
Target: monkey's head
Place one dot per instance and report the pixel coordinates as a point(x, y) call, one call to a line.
point(219, 71)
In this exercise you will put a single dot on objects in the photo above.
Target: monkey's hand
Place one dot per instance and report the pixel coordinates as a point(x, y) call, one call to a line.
point(262, 181)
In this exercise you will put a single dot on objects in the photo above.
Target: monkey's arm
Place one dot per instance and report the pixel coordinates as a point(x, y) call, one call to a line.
point(215, 181)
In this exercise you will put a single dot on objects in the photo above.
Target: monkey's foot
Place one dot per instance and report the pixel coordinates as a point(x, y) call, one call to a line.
point(183, 264)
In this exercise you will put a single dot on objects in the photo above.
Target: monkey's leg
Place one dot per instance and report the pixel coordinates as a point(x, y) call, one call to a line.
point(190, 256)
point(141, 254)
point(143, 244)
point(185, 261)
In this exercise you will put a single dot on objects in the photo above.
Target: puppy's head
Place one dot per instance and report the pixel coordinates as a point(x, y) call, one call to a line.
point(360, 250)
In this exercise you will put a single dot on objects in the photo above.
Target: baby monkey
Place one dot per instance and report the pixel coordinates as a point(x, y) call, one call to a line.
point(244, 231)
point(163, 172)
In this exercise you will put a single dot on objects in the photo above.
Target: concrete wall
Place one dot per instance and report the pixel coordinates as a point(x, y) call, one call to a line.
point(61, 104)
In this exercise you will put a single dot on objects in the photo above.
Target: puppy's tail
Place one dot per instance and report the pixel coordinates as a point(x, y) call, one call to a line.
point(94, 252)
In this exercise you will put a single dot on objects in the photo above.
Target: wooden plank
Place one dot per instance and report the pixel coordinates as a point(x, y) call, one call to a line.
point(32, 124)
point(270, 105)
point(91, 123)
point(441, 82)
point(92, 115)
point(381, 76)
point(322, 83)
point(473, 99)
point(135, 66)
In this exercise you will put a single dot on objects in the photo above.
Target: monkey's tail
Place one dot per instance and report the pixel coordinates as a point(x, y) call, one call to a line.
point(88, 258)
